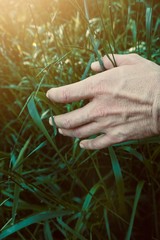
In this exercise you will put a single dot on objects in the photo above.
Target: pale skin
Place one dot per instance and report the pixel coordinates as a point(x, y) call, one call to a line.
point(123, 103)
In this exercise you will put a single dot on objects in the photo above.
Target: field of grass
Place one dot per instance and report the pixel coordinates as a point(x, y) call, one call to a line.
point(50, 188)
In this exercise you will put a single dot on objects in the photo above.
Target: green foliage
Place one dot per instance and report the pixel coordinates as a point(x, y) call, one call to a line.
point(49, 187)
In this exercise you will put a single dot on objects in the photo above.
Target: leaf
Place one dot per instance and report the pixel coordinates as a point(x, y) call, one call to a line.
point(85, 207)
point(37, 218)
point(41, 145)
point(20, 158)
point(18, 167)
point(148, 29)
point(87, 67)
point(47, 231)
point(107, 224)
point(54, 62)
point(133, 152)
point(2, 203)
point(136, 199)
point(69, 229)
point(37, 120)
point(92, 40)
point(118, 177)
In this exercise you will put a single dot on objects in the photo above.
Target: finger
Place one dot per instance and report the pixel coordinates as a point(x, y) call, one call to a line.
point(75, 118)
point(73, 92)
point(99, 142)
point(125, 59)
point(84, 131)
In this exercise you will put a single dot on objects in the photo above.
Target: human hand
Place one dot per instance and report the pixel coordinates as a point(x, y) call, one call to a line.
point(124, 103)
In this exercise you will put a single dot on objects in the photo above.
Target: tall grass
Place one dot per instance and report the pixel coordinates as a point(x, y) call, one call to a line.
point(49, 187)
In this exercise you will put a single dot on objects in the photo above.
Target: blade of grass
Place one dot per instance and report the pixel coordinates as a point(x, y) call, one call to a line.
point(53, 62)
point(88, 67)
point(136, 199)
point(1, 204)
point(85, 207)
point(37, 120)
point(133, 152)
point(104, 29)
point(148, 28)
point(17, 187)
point(111, 24)
point(47, 231)
point(41, 145)
point(155, 211)
point(5, 225)
point(37, 218)
point(38, 35)
point(20, 157)
point(107, 224)
point(69, 229)
point(119, 179)
point(103, 184)
point(94, 44)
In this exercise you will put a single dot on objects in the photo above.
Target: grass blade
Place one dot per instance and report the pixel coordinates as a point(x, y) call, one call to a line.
point(85, 207)
point(41, 145)
point(43, 216)
point(20, 158)
point(119, 179)
point(17, 187)
point(148, 29)
point(134, 152)
point(137, 197)
point(107, 224)
point(47, 231)
point(36, 118)
point(53, 62)
point(69, 229)
point(88, 67)
point(94, 44)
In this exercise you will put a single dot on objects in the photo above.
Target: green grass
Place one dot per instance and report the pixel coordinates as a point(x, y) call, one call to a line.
point(49, 187)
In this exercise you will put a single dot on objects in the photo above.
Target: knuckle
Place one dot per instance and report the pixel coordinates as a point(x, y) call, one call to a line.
point(99, 87)
point(65, 95)
point(134, 55)
point(78, 133)
point(89, 144)
point(94, 144)
point(99, 112)
point(66, 123)
point(95, 86)
point(120, 137)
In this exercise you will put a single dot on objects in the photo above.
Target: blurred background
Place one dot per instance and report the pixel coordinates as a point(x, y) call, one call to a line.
point(49, 187)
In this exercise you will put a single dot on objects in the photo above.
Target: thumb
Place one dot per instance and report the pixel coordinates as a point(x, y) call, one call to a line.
point(120, 59)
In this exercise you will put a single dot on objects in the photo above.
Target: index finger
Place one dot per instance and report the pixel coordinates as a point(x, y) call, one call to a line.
point(73, 92)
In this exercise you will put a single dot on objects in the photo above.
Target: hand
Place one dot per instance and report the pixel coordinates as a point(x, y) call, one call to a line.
point(124, 103)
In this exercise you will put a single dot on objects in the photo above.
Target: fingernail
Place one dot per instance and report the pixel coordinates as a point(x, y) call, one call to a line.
point(60, 131)
point(47, 95)
point(81, 145)
point(50, 121)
